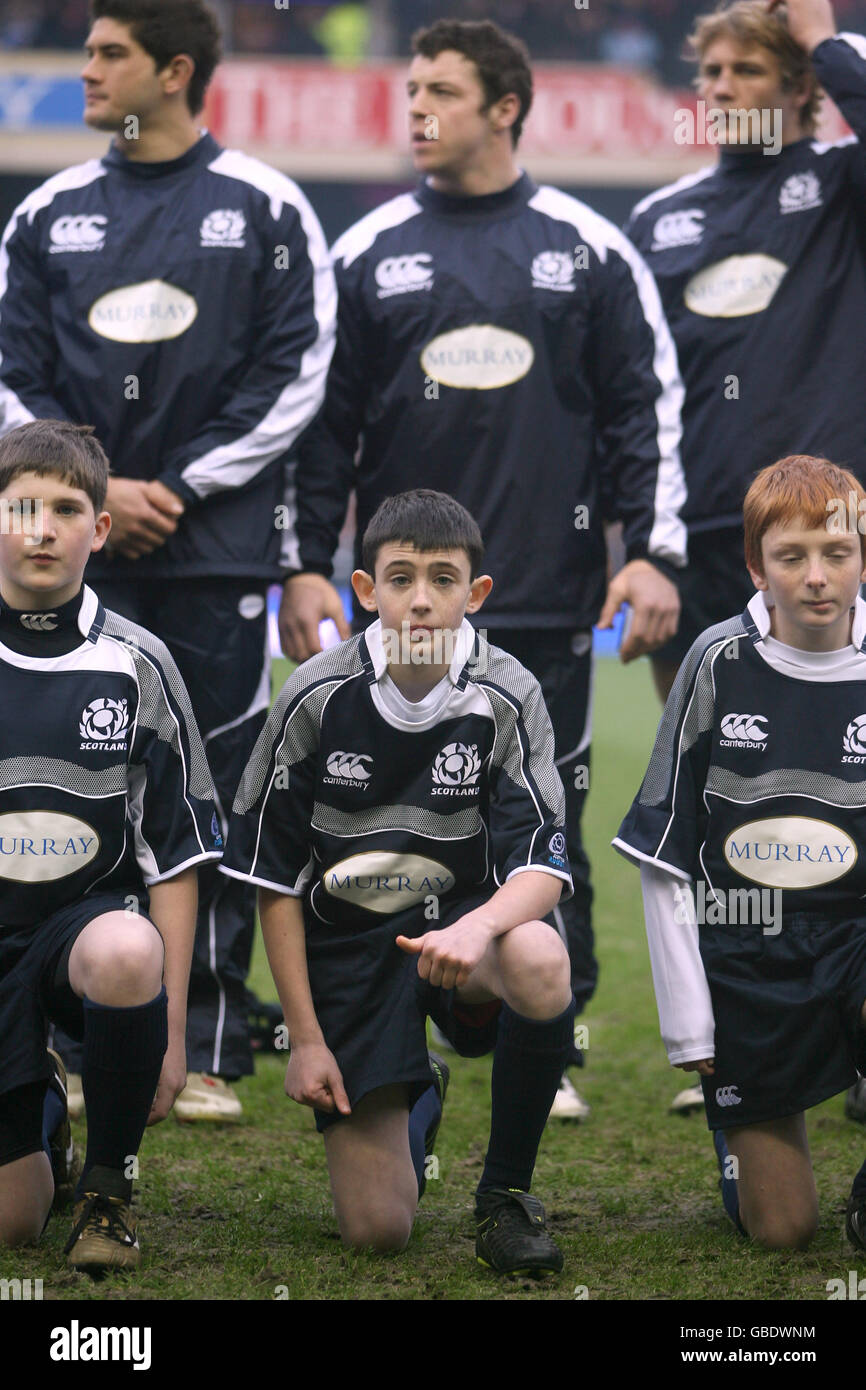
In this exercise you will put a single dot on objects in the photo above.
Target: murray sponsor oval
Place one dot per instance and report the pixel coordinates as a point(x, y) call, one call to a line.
point(386, 881)
point(735, 287)
point(36, 846)
point(480, 357)
point(143, 313)
point(790, 852)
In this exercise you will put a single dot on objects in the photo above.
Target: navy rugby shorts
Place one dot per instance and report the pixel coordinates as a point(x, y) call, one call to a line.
point(372, 1004)
point(787, 1011)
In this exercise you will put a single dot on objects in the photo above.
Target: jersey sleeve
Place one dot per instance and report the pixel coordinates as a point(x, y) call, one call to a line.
point(840, 66)
point(269, 841)
point(326, 462)
point(171, 801)
point(28, 351)
point(639, 397)
point(527, 801)
point(682, 994)
point(283, 386)
point(666, 823)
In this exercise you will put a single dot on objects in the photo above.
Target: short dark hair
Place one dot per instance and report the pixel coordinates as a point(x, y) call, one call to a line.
point(427, 520)
point(165, 28)
point(502, 59)
point(56, 449)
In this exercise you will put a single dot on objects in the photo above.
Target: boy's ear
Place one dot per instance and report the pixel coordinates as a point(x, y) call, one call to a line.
point(365, 590)
point(101, 530)
point(478, 591)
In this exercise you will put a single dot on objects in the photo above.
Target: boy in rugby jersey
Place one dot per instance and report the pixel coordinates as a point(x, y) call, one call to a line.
point(749, 831)
point(403, 819)
point(106, 809)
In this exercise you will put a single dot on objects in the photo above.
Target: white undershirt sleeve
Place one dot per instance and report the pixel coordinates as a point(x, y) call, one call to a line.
point(682, 993)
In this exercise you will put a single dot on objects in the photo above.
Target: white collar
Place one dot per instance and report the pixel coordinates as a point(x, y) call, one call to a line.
point(760, 615)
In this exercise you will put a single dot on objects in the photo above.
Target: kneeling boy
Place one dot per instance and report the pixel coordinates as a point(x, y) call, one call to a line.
point(749, 829)
point(105, 796)
point(401, 779)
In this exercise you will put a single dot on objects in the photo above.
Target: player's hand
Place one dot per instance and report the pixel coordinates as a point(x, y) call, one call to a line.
point(143, 515)
point(447, 958)
point(655, 605)
point(706, 1066)
point(810, 22)
point(172, 1080)
point(306, 600)
point(313, 1078)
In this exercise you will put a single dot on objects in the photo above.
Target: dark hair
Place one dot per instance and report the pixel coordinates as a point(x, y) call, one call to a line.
point(165, 28)
point(427, 520)
point(56, 449)
point(501, 59)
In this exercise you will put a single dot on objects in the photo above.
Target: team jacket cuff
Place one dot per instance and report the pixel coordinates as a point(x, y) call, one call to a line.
point(638, 857)
point(179, 868)
point(261, 882)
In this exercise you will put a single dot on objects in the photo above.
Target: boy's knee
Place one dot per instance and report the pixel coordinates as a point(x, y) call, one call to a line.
point(783, 1230)
point(23, 1229)
point(377, 1231)
point(535, 970)
point(122, 964)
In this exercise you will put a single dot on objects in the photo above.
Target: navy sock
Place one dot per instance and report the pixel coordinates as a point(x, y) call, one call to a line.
point(858, 1187)
point(53, 1115)
point(122, 1060)
point(529, 1059)
point(424, 1113)
point(730, 1196)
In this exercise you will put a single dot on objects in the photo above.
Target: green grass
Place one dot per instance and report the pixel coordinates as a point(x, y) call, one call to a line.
point(243, 1212)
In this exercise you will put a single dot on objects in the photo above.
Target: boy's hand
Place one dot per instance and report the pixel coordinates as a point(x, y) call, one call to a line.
point(706, 1066)
point(313, 1078)
point(172, 1080)
point(447, 958)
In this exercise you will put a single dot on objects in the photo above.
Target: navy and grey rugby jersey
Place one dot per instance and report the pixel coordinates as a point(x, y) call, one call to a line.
point(103, 778)
point(758, 775)
point(510, 350)
point(369, 804)
point(186, 310)
point(760, 261)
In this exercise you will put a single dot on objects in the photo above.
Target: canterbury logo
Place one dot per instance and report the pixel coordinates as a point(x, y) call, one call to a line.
point(350, 766)
point(39, 622)
point(727, 1095)
point(397, 274)
point(78, 233)
point(747, 727)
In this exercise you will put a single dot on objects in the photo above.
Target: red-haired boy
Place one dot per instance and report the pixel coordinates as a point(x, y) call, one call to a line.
point(748, 830)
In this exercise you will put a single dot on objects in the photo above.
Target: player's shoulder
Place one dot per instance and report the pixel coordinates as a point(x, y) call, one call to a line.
point(71, 180)
point(144, 646)
point(363, 235)
point(722, 639)
point(593, 229)
point(314, 680)
point(671, 193)
point(277, 187)
point(495, 669)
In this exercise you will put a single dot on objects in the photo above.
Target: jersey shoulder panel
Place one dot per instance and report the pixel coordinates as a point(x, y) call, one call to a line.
point(598, 231)
point(672, 190)
point(278, 187)
point(77, 176)
point(358, 239)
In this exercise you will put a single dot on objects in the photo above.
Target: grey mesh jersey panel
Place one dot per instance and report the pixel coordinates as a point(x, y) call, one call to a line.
point(337, 783)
